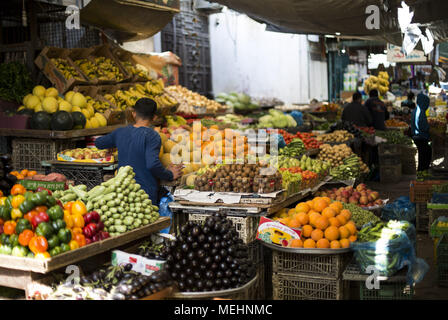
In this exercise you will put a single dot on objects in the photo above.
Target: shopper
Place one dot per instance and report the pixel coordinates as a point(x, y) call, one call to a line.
point(408, 105)
point(139, 147)
point(377, 109)
point(356, 112)
point(420, 132)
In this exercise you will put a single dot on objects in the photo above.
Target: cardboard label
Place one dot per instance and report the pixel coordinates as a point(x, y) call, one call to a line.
point(139, 264)
point(274, 232)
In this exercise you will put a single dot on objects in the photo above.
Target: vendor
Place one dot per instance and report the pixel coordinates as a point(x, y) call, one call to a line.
point(356, 112)
point(420, 132)
point(139, 147)
point(377, 109)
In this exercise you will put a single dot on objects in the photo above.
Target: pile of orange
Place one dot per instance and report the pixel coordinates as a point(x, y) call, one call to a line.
point(324, 224)
point(23, 174)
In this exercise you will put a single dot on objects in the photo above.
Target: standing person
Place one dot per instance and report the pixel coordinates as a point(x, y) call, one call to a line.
point(409, 102)
point(356, 112)
point(377, 109)
point(139, 147)
point(420, 132)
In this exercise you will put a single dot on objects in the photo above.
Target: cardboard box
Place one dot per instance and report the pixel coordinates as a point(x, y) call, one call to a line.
point(49, 69)
point(127, 56)
point(274, 232)
point(139, 264)
point(82, 53)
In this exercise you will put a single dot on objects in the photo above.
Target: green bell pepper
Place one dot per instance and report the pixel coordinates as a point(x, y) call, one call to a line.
point(26, 206)
point(4, 239)
point(5, 249)
point(55, 251)
point(30, 255)
point(39, 198)
point(58, 224)
point(65, 247)
point(64, 235)
point(14, 240)
point(23, 224)
point(5, 213)
point(19, 251)
point(55, 213)
point(44, 229)
point(50, 200)
point(53, 241)
point(28, 195)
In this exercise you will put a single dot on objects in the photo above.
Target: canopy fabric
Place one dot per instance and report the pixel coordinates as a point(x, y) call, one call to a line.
point(347, 17)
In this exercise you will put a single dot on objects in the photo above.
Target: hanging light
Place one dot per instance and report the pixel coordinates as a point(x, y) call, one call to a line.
point(24, 18)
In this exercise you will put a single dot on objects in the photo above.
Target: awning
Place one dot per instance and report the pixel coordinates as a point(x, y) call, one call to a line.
point(345, 17)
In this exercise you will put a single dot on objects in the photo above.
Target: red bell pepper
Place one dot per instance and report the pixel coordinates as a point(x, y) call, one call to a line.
point(88, 241)
point(38, 218)
point(89, 230)
point(104, 235)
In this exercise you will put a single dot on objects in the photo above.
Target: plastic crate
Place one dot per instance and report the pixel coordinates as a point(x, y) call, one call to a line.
point(388, 149)
point(267, 261)
point(245, 226)
point(399, 290)
point(323, 265)
point(256, 252)
point(91, 177)
point(390, 174)
point(290, 286)
point(408, 160)
point(442, 250)
point(29, 153)
point(390, 160)
point(259, 290)
point(421, 191)
point(433, 214)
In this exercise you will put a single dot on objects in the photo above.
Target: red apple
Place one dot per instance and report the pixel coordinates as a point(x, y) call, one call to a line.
point(363, 200)
point(353, 200)
point(345, 200)
point(375, 195)
point(338, 198)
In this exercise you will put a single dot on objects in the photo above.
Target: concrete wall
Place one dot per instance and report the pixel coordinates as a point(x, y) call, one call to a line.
point(246, 58)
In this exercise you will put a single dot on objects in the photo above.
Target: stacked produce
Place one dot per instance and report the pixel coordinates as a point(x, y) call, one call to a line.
point(99, 106)
point(330, 107)
point(367, 130)
point(113, 283)
point(395, 137)
point(230, 119)
point(309, 139)
point(380, 83)
point(15, 81)
point(360, 196)
point(209, 257)
point(101, 68)
point(276, 119)
point(361, 216)
point(87, 154)
point(394, 123)
point(137, 70)
point(338, 136)
point(35, 224)
point(120, 202)
point(33, 175)
point(153, 249)
point(351, 168)
point(240, 102)
point(347, 126)
point(334, 154)
point(294, 149)
point(66, 69)
point(244, 178)
point(324, 224)
point(189, 100)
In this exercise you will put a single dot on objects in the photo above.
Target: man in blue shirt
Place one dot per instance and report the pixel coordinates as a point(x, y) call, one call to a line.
point(420, 132)
point(139, 147)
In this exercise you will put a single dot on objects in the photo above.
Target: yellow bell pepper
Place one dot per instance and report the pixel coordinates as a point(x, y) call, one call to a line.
point(16, 214)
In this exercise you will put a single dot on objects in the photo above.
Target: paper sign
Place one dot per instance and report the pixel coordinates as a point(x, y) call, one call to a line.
point(394, 54)
point(274, 232)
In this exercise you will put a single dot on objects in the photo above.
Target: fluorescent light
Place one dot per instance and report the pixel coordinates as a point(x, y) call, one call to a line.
point(343, 50)
point(338, 33)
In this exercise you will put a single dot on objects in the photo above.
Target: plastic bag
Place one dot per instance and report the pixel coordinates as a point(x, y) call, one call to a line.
point(389, 256)
point(280, 141)
point(298, 117)
point(165, 211)
point(400, 209)
point(439, 198)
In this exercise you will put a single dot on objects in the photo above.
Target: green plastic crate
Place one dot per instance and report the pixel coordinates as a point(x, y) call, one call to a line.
point(435, 231)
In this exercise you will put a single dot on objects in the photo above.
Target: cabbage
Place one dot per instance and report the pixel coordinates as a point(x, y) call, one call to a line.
point(291, 121)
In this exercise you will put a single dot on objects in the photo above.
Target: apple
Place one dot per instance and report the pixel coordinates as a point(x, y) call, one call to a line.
point(338, 198)
point(338, 193)
point(353, 200)
point(371, 198)
point(375, 195)
point(363, 200)
point(345, 200)
point(332, 197)
point(356, 194)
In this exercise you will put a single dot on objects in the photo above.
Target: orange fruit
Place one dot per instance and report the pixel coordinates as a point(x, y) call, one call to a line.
point(294, 223)
point(320, 205)
point(336, 206)
point(317, 234)
point(313, 215)
point(285, 221)
point(345, 243)
point(309, 243)
point(309, 203)
point(352, 238)
point(327, 200)
point(306, 231)
point(321, 223)
point(334, 222)
point(346, 213)
point(291, 211)
point(332, 233)
point(335, 244)
point(302, 207)
point(341, 219)
point(329, 213)
point(296, 243)
point(323, 243)
point(344, 233)
point(303, 218)
point(351, 228)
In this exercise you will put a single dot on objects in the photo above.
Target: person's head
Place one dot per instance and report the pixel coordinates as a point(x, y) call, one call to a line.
point(373, 93)
point(144, 109)
point(357, 97)
point(411, 96)
point(423, 101)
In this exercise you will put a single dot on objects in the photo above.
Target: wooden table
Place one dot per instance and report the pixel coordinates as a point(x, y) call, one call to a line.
point(19, 273)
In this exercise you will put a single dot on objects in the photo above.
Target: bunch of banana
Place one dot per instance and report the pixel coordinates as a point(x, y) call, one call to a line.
point(99, 106)
point(66, 69)
point(136, 71)
point(380, 83)
point(88, 68)
point(155, 87)
point(108, 69)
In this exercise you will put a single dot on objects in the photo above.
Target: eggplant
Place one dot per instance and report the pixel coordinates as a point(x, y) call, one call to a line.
point(219, 274)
